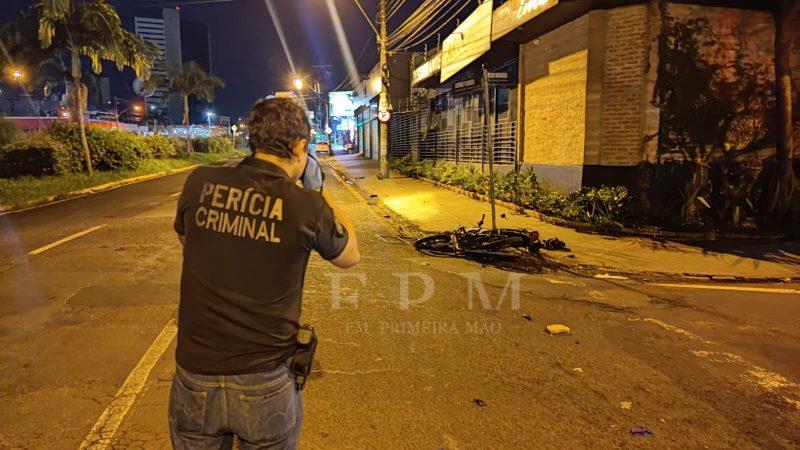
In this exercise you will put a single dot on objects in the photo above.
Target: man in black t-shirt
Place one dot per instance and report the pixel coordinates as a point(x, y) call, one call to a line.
point(248, 231)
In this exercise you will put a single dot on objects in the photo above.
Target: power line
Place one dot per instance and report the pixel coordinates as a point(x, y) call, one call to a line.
point(360, 55)
point(423, 14)
point(393, 9)
point(413, 40)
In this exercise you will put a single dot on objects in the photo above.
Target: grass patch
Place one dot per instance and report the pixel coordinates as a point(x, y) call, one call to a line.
point(16, 193)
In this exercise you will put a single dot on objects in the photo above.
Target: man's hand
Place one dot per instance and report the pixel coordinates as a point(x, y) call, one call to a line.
point(350, 256)
point(313, 177)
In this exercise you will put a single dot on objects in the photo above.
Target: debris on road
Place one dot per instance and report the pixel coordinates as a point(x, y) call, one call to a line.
point(625, 405)
point(606, 276)
point(554, 244)
point(642, 431)
point(527, 316)
point(577, 370)
point(479, 402)
point(557, 329)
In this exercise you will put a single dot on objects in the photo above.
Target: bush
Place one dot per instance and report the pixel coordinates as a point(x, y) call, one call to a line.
point(8, 132)
point(37, 155)
point(108, 149)
point(213, 144)
point(161, 147)
point(604, 207)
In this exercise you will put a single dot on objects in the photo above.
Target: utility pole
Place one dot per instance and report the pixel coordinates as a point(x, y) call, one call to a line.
point(383, 100)
point(489, 144)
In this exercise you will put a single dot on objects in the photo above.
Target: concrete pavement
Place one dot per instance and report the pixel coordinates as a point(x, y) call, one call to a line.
point(700, 368)
point(435, 209)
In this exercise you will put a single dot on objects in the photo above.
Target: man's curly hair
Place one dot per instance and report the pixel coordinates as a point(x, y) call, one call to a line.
point(276, 124)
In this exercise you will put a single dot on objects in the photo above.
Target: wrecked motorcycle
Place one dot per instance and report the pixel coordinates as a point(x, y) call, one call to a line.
point(503, 244)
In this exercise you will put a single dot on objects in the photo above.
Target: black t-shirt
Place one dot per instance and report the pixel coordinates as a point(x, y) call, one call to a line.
point(248, 232)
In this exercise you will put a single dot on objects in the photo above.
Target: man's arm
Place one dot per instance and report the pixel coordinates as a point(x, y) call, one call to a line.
point(350, 255)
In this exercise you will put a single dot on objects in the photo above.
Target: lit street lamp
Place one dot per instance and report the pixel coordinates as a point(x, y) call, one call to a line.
point(298, 85)
point(209, 115)
point(16, 74)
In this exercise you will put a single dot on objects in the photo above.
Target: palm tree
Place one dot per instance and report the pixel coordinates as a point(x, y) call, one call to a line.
point(93, 29)
point(191, 79)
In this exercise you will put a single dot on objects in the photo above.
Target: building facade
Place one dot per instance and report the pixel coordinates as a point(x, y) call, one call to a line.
point(177, 42)
point(602, 85)
point(165, 34)
point(365, 100)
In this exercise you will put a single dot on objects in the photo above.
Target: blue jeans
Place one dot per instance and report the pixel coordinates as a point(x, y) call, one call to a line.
point(263, 410)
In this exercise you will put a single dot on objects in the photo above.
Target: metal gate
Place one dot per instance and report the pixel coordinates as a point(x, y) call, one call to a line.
point(456, 132)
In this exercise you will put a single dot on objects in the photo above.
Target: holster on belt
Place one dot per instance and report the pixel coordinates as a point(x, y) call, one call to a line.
point(304, 355)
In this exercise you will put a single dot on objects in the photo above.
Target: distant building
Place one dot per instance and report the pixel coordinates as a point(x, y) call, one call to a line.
point(178, 42)
point(196, 46)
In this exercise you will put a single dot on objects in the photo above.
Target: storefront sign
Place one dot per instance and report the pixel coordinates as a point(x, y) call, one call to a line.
point(427, 69)
point(513, 13)
point(469, 41)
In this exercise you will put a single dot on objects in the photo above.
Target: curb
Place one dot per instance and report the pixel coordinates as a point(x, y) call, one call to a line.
point(687, 276)
point(53, 199)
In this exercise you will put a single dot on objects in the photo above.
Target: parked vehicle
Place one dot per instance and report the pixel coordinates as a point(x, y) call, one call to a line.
point(323, 147)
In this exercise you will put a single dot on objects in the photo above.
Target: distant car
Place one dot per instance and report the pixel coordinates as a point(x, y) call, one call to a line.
point(323, 147)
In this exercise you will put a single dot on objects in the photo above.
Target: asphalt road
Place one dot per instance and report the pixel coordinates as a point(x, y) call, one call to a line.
point(86, 348)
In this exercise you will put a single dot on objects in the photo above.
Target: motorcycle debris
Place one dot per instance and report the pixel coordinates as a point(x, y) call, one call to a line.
point(557, 328)
point(479, 402)
point(554, 244)
point(642, 431)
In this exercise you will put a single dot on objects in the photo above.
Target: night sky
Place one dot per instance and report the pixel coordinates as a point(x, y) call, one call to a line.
point(245, 48)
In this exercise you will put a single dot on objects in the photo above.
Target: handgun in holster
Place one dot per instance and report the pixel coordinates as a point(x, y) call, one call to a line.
point(304, 355)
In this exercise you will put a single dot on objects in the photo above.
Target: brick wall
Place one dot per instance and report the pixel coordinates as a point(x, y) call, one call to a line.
point(553, 78)
point(624, 86)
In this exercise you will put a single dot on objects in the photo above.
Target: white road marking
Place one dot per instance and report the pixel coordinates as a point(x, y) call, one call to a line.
point(66, 239)
point(605, 276)
point(572, 283)
point(754, 374)
point(729, 288)
point(103, 431)
point(175, 195)
point(675, 330)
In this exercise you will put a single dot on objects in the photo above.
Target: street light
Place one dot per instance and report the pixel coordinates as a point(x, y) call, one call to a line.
point(209, 115)
point(16, 74)
point(298, 85)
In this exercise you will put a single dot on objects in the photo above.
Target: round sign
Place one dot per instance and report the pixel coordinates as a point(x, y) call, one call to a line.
point(384, 115)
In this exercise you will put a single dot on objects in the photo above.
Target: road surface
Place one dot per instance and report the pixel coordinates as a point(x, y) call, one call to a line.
point(89, 291)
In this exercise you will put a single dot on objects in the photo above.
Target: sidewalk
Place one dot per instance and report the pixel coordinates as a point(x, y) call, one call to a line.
point(435, 209)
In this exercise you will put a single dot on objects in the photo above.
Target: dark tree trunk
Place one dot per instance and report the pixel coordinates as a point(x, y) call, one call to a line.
point(79, 99)
point(784, 185)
